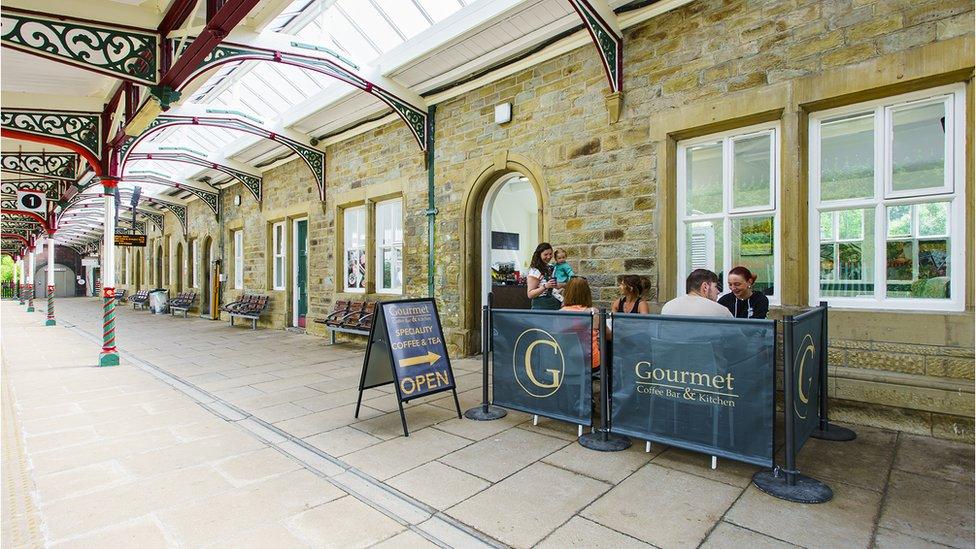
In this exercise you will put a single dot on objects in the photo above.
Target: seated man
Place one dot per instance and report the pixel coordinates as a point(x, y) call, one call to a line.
point(701, 299)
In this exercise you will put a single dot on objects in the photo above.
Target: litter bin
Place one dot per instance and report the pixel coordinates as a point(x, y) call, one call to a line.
point(157, 300)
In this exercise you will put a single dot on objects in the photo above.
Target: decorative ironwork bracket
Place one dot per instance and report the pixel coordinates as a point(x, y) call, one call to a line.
point(609, 43)
point(208, 197)
point(80, 131)
point(48, 165)
point(120, 52)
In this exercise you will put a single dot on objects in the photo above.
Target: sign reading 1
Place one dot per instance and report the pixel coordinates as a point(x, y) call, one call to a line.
point(406, 348)
point(31, 201)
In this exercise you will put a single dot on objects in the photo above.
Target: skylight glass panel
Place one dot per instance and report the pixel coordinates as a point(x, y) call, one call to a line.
point(439, 9)
point(405, 15)
point(338, 28)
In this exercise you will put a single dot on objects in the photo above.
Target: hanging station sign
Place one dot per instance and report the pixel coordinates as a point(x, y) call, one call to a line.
point(138, 240)
point(31, 201)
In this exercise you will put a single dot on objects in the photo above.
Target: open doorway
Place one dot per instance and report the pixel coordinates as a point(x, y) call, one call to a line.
point(509, 234)
point(159, 267)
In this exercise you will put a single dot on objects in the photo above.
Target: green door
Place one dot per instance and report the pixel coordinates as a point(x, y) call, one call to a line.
point(301, 277)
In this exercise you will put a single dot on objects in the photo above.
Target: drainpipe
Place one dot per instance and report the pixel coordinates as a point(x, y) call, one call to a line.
point(431, 210)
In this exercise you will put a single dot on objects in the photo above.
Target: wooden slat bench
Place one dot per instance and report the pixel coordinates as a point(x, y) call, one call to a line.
point(182, 303)
point(140, 300)
point(250, 307)
point(349, 317)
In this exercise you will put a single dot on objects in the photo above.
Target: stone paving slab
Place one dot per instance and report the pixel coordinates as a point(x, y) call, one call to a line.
point(313, 467)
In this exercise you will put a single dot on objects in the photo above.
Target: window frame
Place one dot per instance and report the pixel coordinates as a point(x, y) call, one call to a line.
point(346, 247)
point(728, 213)
point(953, 192)
point(239, 259)
point(379, 247)
point(278, 241)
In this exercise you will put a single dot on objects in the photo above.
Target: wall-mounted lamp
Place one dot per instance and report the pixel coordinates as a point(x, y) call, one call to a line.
point(503, 113)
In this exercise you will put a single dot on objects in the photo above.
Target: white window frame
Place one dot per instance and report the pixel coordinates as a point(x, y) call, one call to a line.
point(278, 255)
point(380, 247)
point(239, 259)
point(729, 213)
point(953, 192)
point(194, 260)
point(346, 245)
point(128, 270)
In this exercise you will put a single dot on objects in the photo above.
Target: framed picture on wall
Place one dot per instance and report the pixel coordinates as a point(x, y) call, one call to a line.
point(504, 241)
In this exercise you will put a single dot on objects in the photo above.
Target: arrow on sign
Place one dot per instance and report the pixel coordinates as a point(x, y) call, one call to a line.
point(429, 358)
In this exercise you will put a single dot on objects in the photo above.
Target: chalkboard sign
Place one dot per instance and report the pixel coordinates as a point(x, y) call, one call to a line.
point(504, 241)
point(406, 348)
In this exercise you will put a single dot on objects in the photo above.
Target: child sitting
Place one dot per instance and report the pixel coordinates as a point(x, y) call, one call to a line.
point(562, 272)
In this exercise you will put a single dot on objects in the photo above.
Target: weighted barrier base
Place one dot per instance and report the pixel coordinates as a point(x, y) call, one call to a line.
point(834, 433)
point(806, 489)
point(604, 442)
point(485, 413)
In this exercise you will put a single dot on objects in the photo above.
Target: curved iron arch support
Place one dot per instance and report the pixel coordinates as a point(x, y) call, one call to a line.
point(53, 189)
point(210, 198)
point(601, 23)
point(63, 166)
point(252, 181)
point(242, 45)
point(77, 202)
point(78, 131)
point(43, 222)
point(191, 115)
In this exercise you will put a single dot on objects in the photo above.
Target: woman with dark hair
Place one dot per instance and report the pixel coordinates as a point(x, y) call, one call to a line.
point(632, 288)
point(539, 280)
point(742, 302)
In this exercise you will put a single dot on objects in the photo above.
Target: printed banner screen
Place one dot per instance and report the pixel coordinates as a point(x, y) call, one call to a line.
point(541, 363)
point(701, 384)
point(806, 354)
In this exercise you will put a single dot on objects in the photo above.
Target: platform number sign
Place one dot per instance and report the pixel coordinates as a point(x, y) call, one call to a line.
point(31, 201)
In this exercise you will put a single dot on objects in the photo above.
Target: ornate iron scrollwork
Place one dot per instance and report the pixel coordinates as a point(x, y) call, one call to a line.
point(81, 128)
point(124, 53)
point(57, 165)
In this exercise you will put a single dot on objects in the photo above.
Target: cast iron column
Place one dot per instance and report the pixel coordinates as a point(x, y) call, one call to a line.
point(50, 280)
point(109, 355)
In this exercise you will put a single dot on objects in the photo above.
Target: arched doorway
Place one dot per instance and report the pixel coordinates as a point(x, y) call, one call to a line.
point(206, 270)
point(508, 179)
point(178, 283)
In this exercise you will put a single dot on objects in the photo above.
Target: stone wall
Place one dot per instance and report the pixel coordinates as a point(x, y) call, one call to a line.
point(608, 189)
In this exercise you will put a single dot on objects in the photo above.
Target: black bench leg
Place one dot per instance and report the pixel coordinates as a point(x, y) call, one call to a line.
point(232, 320)
point(254, 324)
point(331, 337)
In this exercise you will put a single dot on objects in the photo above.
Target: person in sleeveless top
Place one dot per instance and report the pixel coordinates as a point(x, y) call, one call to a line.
point(632, 288)
point(539, 281)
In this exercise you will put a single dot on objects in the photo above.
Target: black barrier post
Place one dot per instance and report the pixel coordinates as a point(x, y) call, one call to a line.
point(826, 430)
point(485, 412)
point(602, 440)
point(788, 483)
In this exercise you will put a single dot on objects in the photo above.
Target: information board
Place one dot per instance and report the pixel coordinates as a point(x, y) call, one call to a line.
point(701, 384)
point(130, 239)
point(406, 347)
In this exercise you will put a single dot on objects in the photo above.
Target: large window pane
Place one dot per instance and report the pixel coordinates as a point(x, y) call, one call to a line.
point(918, 147)
point(752, 247)
point(847, 158)
point(704, 189)
point(703, 246)
point(899, 221)
point(751, 171)
point(354, 259)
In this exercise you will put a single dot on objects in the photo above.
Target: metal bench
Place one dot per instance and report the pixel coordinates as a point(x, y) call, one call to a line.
point(181, 302)
point(120, 296)
point(250, 307)
point(140, 300)
point(349, 317)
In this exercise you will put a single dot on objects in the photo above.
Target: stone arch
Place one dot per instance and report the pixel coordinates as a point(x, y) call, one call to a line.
point(476, 191)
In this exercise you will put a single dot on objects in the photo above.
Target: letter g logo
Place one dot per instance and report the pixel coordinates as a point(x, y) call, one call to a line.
point(538, 371)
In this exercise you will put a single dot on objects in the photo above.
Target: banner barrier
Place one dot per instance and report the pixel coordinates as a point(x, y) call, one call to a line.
point(541, 363)
point(702, 384)
point(827, 430)
point(485, 412)
point(804, 381)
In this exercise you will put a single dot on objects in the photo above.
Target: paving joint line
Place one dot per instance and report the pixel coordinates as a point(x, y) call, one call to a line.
point(192, 391)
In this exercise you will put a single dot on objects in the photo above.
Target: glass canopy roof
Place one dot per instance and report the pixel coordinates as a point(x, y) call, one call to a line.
point(361, 30)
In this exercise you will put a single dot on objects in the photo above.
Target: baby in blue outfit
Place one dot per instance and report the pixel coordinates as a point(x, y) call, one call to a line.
point(562, 271)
